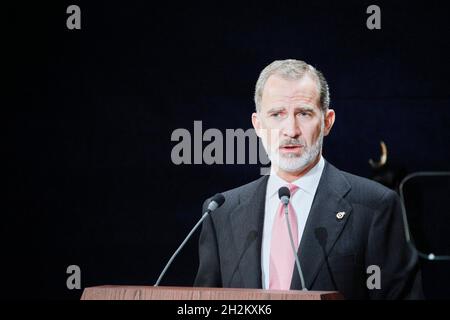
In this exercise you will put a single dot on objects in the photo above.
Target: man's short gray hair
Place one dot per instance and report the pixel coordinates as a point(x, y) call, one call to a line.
point(292, 69)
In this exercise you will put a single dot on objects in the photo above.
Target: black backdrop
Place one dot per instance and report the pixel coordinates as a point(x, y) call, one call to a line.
point(90, 113)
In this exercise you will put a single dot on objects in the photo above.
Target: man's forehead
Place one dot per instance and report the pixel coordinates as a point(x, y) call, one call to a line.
point(300, 92)
point(280, 82)
point(277, 85)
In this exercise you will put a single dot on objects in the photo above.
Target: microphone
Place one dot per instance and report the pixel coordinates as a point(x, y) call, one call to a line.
point(285, 194)
point(215, 203)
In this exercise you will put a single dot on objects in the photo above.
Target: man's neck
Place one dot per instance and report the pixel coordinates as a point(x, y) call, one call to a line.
point(292, 176)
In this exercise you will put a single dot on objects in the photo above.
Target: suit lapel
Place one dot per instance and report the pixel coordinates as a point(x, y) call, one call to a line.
point(247, 224)
point(322, 226)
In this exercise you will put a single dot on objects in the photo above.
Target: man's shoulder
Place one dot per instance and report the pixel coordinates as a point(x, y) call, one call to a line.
point(365, 183)
point(366, 191)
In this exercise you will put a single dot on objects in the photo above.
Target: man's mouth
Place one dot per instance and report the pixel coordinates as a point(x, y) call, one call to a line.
point(291, 148)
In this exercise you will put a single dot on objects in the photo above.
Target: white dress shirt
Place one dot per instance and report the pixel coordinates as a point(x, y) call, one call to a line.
point(301, 201)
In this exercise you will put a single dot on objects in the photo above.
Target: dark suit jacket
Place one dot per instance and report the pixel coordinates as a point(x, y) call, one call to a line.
point(334, 254)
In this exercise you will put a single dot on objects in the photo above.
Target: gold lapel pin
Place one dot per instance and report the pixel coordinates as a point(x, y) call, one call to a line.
point(340, 215)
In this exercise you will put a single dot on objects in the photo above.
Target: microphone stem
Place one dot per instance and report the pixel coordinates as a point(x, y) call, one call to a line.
point(297, 262)
point(180, 247)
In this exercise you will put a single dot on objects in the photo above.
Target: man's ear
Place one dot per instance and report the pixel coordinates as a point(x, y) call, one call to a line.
point(256, 123)
point(329, 121)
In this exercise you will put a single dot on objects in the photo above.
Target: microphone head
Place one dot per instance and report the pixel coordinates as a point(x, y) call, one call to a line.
point(216, 202)
point(284, 194)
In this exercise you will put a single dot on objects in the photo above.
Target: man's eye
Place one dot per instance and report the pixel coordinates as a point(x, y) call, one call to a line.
point(305, 114)
point(276, 115)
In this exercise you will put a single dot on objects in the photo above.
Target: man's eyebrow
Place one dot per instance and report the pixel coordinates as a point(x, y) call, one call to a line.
point(275, 109)
point(301, 108)
point(304, 108)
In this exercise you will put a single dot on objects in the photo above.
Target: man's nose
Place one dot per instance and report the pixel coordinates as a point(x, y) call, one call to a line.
point(291, 127)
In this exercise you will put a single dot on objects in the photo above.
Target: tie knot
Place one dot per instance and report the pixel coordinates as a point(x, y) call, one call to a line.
point(292, 188)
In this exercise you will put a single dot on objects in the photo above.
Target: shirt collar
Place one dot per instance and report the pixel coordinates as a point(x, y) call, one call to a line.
point(308, 182)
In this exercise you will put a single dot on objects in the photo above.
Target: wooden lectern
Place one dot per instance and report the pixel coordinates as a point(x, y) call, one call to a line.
point(201, 293)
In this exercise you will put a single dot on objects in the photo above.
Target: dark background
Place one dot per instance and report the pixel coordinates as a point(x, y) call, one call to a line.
point(89, 115)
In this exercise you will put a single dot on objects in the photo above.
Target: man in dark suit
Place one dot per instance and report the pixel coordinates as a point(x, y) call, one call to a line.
point(347, 230)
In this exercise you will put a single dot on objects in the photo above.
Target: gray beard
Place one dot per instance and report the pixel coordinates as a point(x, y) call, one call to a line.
point(295, 163)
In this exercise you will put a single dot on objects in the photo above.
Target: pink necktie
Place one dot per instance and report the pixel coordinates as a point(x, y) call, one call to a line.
point(282, 258)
